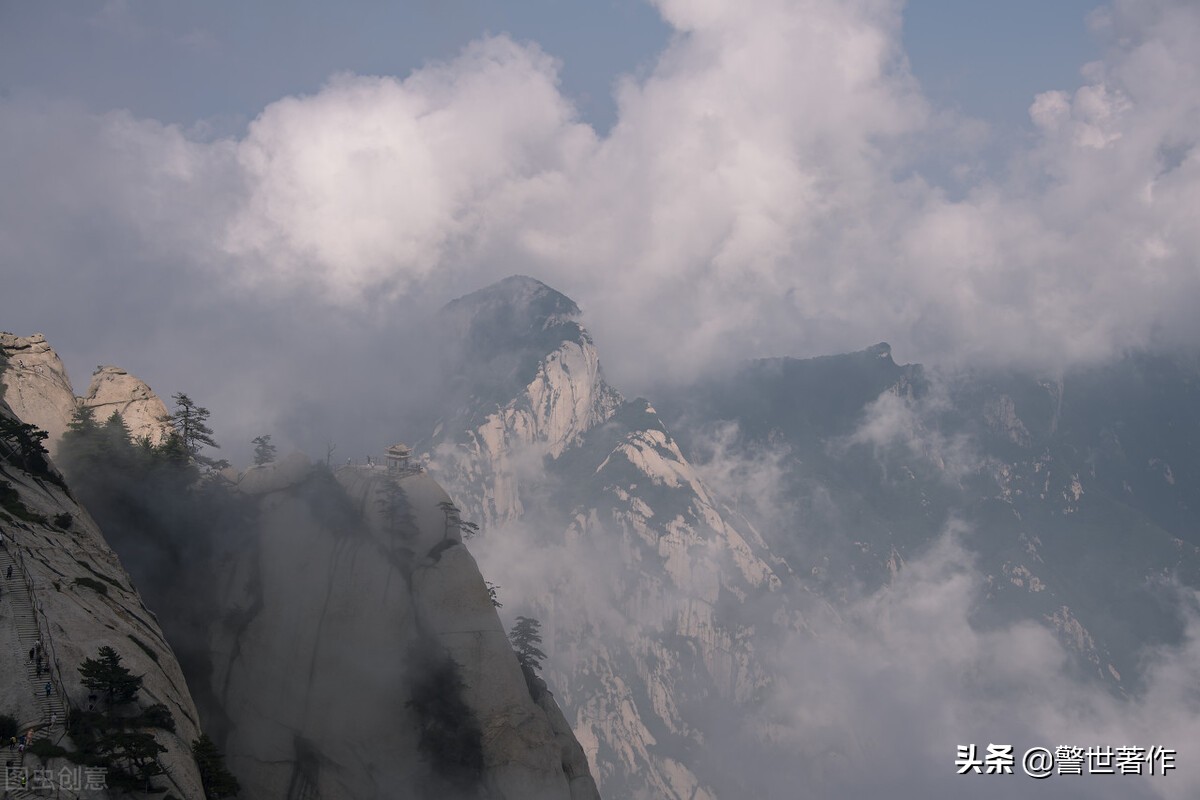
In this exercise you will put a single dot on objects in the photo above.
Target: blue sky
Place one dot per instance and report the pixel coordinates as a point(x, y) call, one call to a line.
point(180, 62)
point(990, 59)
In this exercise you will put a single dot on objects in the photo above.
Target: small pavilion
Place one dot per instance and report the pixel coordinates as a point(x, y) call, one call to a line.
point(399, 460)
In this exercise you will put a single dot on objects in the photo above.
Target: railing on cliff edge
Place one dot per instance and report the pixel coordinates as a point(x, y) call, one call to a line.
point(43, 626)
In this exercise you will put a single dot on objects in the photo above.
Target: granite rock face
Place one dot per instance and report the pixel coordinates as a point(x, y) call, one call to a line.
point(70, 590)
point(352, 593)
point(36, 385)
point(39, 392)
point(530, 386)
point(596, 523)
point(114, 389)
point(330, 621)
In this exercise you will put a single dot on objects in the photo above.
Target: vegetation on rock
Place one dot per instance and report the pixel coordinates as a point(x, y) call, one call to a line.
point(217, 780)
point(449, 734)
point(264, 451)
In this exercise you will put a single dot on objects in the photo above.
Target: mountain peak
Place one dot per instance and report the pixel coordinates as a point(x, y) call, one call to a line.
point(503, 331)
point(517, 297)
point(883, 350)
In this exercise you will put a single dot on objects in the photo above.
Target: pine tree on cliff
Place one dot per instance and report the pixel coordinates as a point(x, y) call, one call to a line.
point(83, 422)
point(190, 423)
point(397, 509)
point(264, 451)
point(217, 780)
point(454, 521)
point(114, 439)
point(105, 674)
point(22, 443)
point(525, 638)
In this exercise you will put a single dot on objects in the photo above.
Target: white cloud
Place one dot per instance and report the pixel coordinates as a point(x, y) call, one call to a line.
point(377, 181)
point(756, 195)
point(882, 700)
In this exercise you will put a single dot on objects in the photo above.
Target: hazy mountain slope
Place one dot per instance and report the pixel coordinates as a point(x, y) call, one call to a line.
point(683, 567)
point(329, 624)
point(340, 640)
point(526, 383)
point(1078, 492)
point(607, 533)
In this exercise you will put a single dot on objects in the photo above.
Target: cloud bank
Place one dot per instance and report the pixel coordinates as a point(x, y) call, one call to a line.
point(770, 186)
point(881, 703)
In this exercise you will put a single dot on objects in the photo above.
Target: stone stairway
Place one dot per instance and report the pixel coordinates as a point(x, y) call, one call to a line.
point(19, 605)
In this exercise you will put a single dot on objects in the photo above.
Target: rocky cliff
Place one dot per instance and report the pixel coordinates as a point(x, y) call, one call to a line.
point(527, 385)
point(36, 385)
point(68, 590)
point(664, 594)
point(597, 523)
point(355, 594)
point(340, 639)
point(112, 389)
point(39, 392)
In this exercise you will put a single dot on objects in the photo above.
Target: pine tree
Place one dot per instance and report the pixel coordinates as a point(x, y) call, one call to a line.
point(83, 422)
point(132, 758)
point(397, 509)
point(264, 451)
point(115, 439)
point(105, 674)
point(173, 449)
point(189, 421)
point(449, 734)
point(454, 521)
point(525, 638)
point(23, 442)
point(80, 447)
point(218, 781)
point(451, 511)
